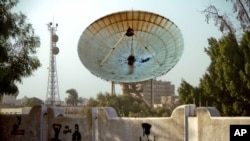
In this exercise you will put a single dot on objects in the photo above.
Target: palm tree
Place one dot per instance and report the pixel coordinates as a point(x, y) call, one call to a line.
point(72, 97)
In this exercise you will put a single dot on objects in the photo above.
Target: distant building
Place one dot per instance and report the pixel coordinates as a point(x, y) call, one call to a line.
point(83, 101)
point(158, 88)
point(10, 100)
point(68, 111)
point(9, 105)
point(163, 92)
point(74, 111)
point(15, 110)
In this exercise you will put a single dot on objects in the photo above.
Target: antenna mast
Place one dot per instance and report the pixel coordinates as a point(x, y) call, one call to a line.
point(53, 97)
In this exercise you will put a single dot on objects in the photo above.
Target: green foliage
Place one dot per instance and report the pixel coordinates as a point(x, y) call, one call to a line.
point(228, 78)
point(226, 83)
point(187, 93)
point(127, 106)
point(18, 45)
point(30, 102)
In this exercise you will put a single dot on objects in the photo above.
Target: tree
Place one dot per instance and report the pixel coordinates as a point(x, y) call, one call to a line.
point(30, 102)
point(127, 105)
point(188, 94)
point(226, 83)
point(224, 22)
point(18, 45)
point(73, 98)
point(243, 14)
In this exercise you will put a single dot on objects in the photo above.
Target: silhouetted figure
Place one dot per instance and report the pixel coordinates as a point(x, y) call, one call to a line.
point(146, 132)
point(146, 129)
point(76, 136)
point(16, 125)
point(66, 130)
point(57, 128)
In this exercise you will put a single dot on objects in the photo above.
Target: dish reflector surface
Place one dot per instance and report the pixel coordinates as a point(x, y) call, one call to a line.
point(130, 46)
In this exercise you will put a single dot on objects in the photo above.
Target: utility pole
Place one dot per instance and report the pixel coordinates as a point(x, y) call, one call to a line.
point(152, 93)
point(112, 88)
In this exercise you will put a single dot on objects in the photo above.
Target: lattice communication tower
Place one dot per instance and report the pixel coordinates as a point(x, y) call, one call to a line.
point(53, 97)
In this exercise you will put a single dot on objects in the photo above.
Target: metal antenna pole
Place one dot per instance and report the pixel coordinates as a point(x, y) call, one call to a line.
point(53, 97)
point(112, 88)
point(152, 93)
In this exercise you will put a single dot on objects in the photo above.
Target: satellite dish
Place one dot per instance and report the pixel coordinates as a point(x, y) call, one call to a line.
point(55, 50)
point(54, 38)
point(130, 46)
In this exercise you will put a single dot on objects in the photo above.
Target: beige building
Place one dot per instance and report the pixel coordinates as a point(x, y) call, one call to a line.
point(159, 89)
point(162, 92)
point(11, 101)
point(10, 106)
point(73, 111)
point(15, 110)
point(69, 111)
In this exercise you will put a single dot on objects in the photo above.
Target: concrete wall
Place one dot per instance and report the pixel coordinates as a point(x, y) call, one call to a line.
point(187, 123)
point(22, 127)
point(131, 129)
point(67, 128)
point(212, 127)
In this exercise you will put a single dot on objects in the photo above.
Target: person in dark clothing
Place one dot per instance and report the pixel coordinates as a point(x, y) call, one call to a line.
point(76, 136)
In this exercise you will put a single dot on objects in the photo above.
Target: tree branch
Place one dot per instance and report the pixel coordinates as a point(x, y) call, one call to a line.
point(243, 8)
point(220, 20)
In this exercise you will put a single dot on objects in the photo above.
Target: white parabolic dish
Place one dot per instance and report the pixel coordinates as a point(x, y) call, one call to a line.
point(130, 46)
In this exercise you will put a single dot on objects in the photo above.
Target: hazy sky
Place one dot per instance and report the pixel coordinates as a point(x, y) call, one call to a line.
point(73, 16)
